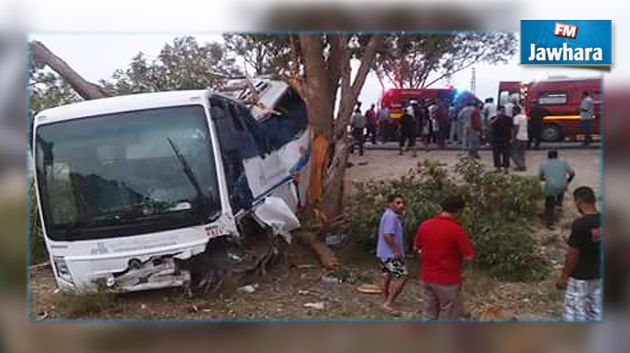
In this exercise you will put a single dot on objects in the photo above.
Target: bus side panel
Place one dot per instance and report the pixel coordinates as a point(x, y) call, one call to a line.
point(277, 173)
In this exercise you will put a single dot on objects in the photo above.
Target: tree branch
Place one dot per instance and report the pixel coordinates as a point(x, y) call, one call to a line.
point(338, 46)
point(84, 88)
point(450, 72)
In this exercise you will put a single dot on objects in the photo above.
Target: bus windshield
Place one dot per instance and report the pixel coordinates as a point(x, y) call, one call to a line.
point(126, 173)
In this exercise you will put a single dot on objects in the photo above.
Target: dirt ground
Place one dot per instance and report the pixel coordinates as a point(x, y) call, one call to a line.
point(287, 287)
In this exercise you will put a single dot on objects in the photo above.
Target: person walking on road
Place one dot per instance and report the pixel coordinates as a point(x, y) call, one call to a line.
point(390, 250)
point(464, 123)
point(453, 131)
point(501, 126)
point(383, 124)
point(443, 246)
point(443, 125)
point(358, 124)
point(581, 277)
point(586, 115)
point(474, 133)
point(520, 139)
point(557, 174)
point(372, 124)
point(488, 113)
point(430, 126)
point(408, 130)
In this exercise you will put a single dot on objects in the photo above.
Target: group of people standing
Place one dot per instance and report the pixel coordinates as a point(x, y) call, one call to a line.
point(505, 127)
point(359, 123)
point(428, 119)
point(445, 250)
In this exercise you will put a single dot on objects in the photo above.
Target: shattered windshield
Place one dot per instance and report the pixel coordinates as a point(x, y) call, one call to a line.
point(126, 173)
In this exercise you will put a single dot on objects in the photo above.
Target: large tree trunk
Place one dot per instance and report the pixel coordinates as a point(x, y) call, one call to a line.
point(318, 97)
point(84, 88)
point(320, 112)
point(329, 153)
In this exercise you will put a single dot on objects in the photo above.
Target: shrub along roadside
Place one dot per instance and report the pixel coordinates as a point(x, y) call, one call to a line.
point(498, 213)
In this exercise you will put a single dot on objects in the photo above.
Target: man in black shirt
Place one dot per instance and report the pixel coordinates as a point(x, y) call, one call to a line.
point(407, 128)
point(536, 122)
point(581, 275)
point(501, 126)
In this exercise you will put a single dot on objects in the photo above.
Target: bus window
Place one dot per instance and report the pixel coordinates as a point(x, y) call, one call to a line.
point(289, 125)
point(230, 131)
point(123, 173)
point(249, 144)
point(553, 98)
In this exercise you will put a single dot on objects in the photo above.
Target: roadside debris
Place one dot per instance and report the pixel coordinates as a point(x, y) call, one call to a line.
point(249, 288)
point(306, 266)
point(331, 279)
point(42, 316)
point(369, 289)
point(316, 306)
point(334, 239)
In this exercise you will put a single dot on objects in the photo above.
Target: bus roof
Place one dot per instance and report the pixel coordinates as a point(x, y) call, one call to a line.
point(568, 79)
point(115, 104)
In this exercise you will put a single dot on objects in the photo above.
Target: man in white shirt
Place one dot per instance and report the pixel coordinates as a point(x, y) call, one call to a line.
point(509, 106)
point(489, 111)
point(520, 139)
point(463, 120)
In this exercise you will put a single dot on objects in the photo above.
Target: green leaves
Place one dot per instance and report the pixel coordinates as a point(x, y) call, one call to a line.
point(497, 216)
point(183, 64)
point(416, 61)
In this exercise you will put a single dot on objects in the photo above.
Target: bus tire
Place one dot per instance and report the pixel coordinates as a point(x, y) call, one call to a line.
point(552, 133)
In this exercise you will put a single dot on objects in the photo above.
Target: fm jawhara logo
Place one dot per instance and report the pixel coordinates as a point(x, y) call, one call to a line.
point(566, 42)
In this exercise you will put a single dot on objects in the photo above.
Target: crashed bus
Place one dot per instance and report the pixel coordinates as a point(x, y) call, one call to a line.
point(157, 190)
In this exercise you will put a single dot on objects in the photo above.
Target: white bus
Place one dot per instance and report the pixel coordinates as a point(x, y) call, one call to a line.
point(132, 189)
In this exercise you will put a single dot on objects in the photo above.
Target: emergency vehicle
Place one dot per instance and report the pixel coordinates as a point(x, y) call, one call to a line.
point(562, 98)
point(395, 100)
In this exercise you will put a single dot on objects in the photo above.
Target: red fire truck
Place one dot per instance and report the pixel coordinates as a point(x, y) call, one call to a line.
point(395, 100)
point(561, 97)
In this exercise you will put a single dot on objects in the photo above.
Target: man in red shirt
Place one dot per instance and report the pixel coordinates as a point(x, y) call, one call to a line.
point(474, 134)
point(443, 246)
point(372, 123)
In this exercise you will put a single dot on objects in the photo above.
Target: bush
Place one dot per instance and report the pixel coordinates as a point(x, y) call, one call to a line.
point(508, 252)
point(498, 210)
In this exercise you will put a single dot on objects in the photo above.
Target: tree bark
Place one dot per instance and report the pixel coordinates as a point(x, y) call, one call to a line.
point(336, 170)
point(318, 95)
point(84, 88)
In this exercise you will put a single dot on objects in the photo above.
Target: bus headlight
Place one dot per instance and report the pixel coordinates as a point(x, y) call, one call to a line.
point(61, 268)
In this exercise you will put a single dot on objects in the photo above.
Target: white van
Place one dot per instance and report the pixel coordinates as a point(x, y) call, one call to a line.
point(134, 190)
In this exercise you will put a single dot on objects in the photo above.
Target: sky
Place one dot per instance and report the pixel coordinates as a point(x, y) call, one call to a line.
point(96, 57)
point(95, 46)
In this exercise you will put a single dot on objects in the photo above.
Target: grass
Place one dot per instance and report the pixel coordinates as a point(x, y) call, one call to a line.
point(73, 305)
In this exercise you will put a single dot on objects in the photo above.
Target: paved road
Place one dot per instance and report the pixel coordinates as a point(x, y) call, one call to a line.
point(543, 146)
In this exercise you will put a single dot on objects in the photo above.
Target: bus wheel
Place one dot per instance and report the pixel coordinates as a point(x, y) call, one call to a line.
point(551, 133)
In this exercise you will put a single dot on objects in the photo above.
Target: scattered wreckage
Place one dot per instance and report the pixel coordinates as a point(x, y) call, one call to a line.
point(170, 189)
